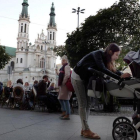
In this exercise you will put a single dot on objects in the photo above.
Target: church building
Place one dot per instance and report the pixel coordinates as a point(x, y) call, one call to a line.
point(30, 62)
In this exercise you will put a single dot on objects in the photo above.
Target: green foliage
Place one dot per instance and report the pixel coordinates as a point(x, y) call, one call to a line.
point(4, 57)
point(119, 23)
point(60, 50)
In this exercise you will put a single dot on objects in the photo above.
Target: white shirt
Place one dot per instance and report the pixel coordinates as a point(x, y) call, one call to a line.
point(75, 76)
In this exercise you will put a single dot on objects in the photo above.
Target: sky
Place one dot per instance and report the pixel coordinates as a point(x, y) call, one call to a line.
point(39, 11)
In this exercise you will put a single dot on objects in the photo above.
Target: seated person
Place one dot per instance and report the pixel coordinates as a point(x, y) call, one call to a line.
point(26, 86)
point(1, 88)
point(20, 84)
point(35, 85)
point(42, 88)
point(31, 95)
point(8, 92)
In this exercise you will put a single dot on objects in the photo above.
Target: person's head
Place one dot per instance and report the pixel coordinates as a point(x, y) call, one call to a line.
point(45, 78)
point(52, 84)
point(64, 60)
point(20, 81)
point(26, 84)
point(35, 82)
point(112, 53)
point(9, 83)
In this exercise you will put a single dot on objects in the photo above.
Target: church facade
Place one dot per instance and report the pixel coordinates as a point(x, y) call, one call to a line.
point(31, 62)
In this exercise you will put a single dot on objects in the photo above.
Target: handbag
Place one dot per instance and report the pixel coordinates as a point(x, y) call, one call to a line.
point(68, 84)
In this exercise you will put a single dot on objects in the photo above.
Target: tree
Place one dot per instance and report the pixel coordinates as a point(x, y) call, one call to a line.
point(60, 50)
point(4, 57)
point(118, 23)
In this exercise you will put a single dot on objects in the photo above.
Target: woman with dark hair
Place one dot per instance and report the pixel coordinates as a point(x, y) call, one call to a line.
point(103, 61)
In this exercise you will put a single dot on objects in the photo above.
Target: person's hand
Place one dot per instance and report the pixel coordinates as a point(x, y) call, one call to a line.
point(125, 75)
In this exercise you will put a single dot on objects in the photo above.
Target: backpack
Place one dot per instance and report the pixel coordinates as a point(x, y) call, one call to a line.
point(68, 84)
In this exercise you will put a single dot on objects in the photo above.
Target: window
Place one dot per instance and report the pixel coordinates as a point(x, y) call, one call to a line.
point(50, 35)
point(42, 63)
point(20, 60)
point(12, 65)
point(25, 29)
point(17, 60)
point(21, 27)
point(41, 47)
point(53, 35)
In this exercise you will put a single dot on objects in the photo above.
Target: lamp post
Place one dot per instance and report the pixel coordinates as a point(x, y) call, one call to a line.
point(78, 11)
point(45, 55)
point(9, 71)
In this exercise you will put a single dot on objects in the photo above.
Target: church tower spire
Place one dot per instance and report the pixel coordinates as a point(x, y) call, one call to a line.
point(23, 31)
point(52, 28)
point(23, 36)
point(52, 16)
point(24, 12)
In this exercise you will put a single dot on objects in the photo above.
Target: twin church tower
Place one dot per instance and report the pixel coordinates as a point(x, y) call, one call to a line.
point(29, 62)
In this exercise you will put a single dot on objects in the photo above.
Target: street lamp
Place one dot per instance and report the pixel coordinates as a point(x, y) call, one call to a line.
point(78, 11)
point(45, 56)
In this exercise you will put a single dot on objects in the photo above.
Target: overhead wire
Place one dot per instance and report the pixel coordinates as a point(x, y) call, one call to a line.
point(32, 23)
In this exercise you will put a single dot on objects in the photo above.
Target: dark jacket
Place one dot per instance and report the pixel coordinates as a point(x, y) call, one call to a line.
point(42, 87)
point(95, 60)
point(1, 88)
point(7, 91)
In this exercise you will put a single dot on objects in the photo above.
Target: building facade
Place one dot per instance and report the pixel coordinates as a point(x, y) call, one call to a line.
point(31, 62)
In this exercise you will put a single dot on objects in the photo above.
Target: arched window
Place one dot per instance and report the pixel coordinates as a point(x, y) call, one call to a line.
point(25, 29)
point(41, 47)
point(53, 35)
point(50, 35)
point(38, 48)
point(21, 27)
point(17, 60)
point(20, 60)
point(42, 63)
point(12, 65)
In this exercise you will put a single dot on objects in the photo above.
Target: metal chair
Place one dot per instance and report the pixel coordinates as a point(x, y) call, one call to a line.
point(40, 103)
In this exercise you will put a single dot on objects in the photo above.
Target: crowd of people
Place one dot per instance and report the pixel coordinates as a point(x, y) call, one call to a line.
point(43, 89)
